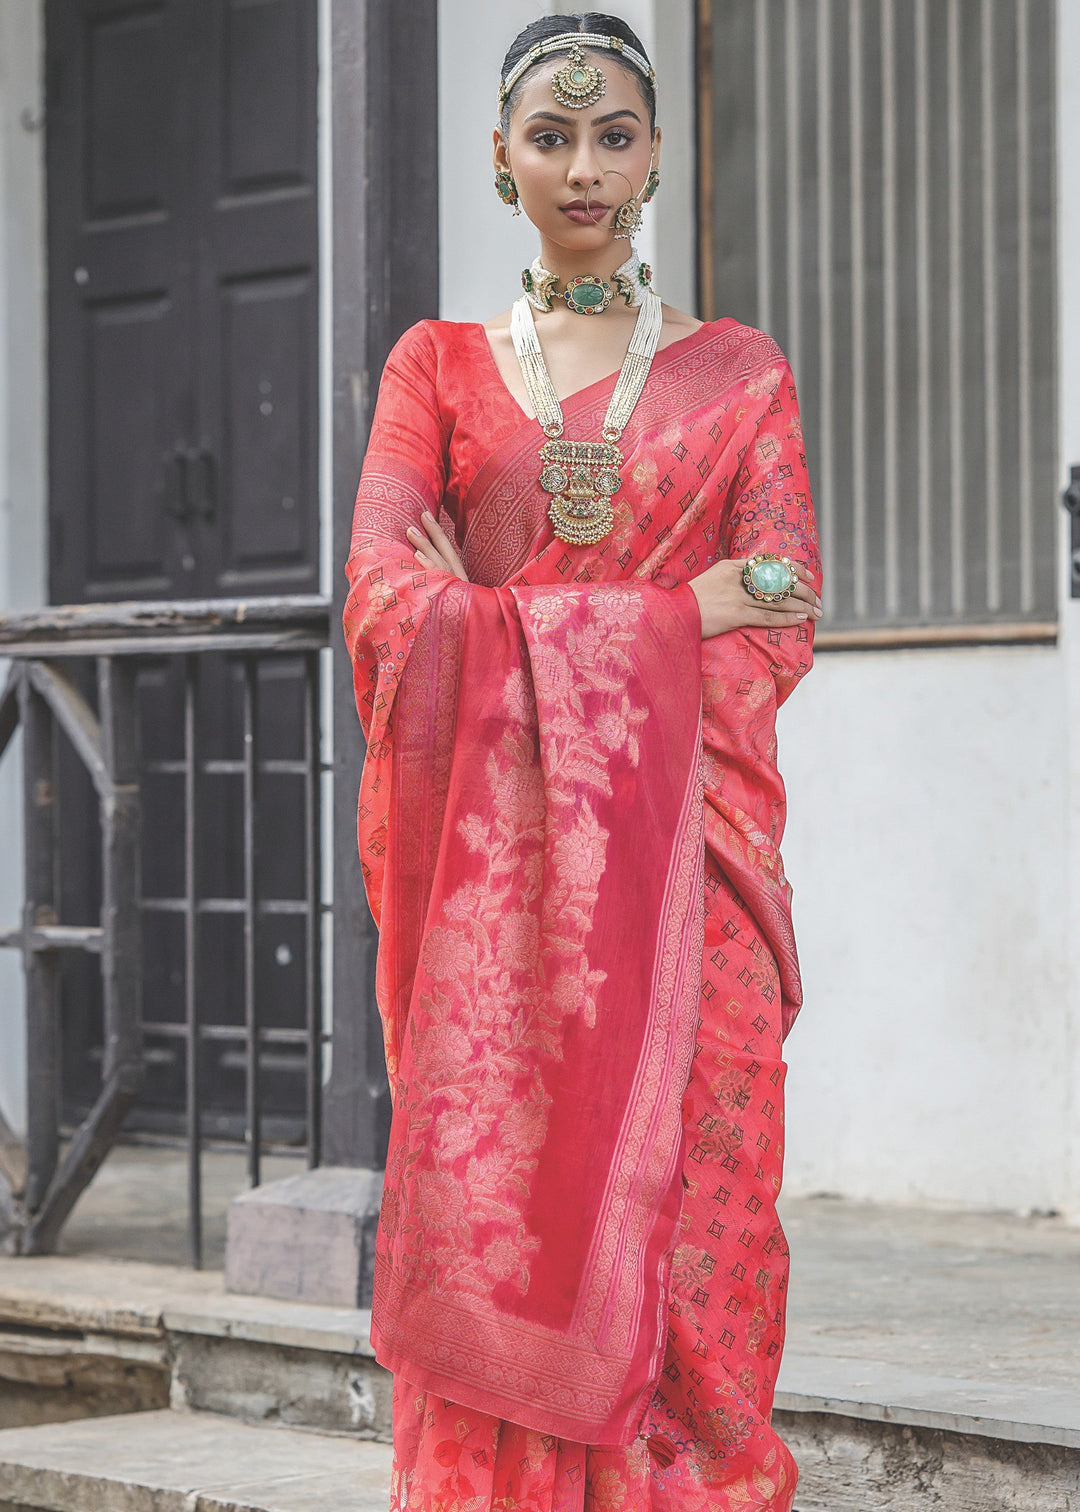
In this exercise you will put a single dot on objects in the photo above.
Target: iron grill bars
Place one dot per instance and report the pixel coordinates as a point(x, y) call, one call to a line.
point(38, 1189)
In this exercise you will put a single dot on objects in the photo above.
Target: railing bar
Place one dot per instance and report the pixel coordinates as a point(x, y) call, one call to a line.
point(956, 376)
point(264, 907)
point(313, 918)
point(191, 993)
point(40, 895)
point(283, 767)
point(924, 482)
point(238, 1032)
point(1023, 304)
point(826, 440)
point(890, 300)
point(991, 409)
point(38, 647)
point(9, 707)
point(763, 106)
point(793, 186)
point(858, 315)
point(252, 1110)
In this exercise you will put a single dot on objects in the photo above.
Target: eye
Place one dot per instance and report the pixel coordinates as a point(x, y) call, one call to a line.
point(617, 137)
point(548, 138)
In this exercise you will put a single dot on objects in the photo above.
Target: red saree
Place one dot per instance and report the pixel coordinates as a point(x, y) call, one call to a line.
point(569, 823)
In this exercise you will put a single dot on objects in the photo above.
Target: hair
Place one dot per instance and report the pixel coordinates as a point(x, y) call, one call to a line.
point(583, 22)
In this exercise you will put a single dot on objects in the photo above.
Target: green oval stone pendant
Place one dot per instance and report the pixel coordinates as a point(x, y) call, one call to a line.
point(588, 295)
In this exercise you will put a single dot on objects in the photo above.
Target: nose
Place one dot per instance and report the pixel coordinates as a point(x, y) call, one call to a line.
point(584, 168)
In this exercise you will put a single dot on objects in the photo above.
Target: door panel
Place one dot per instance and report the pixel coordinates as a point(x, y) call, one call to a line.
point(126, 541)
point(183, 250)
point(120, 294)
point(258, 297)
point(268, 142)
point(126, 128)
point(267, 473)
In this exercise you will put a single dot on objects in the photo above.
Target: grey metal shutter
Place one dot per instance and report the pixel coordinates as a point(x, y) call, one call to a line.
point(877, 193)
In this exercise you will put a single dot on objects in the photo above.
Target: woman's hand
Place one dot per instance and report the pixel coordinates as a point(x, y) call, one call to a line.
point(435, 549)
point(726, 605)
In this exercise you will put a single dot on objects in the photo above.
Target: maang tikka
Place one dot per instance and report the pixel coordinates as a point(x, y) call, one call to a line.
point(579, 83)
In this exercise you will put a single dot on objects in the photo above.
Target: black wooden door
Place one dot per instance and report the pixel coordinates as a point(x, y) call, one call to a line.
point(183, 311)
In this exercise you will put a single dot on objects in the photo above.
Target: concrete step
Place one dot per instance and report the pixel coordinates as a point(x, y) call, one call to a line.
point(84, 1338)
point(877, 1437)
point(188, 1462)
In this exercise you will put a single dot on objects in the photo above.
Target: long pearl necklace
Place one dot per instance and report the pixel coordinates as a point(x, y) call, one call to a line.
point(583, 475)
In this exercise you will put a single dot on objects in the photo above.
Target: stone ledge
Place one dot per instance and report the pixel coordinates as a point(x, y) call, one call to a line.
point(130, 1299)
point(188, 1462)
point(96, 1338)
point(261, 1320)
point(875, 1391)
point(118, 1297)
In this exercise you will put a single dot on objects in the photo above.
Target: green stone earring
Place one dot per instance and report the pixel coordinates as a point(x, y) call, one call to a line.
point(506, 189)
point(651, 186)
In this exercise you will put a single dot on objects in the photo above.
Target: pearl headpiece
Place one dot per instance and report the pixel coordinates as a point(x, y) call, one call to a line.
point(577, 93)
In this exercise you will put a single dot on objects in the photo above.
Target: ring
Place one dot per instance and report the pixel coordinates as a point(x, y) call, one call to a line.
point(769, 578)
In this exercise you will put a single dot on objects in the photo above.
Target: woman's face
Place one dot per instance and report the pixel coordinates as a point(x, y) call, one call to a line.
point(558, 155)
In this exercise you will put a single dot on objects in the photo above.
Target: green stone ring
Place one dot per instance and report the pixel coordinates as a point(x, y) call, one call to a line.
point(769, 578)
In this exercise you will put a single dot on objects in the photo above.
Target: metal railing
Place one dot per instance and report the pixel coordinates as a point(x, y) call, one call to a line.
point(50, 653)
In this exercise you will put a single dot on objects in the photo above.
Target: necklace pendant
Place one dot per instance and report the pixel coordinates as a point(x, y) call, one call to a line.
point(588, 295)
point(583, 476)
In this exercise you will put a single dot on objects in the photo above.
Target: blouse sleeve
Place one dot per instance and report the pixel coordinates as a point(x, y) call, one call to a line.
point(770, 510)
point(404, 473)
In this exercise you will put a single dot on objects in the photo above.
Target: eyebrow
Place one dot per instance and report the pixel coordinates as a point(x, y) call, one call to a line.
point(604, 120)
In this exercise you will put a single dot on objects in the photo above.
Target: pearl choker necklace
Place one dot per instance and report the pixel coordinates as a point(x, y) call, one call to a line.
point(588, 294)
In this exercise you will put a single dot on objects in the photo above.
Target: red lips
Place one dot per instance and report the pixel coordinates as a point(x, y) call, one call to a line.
point(578, 210)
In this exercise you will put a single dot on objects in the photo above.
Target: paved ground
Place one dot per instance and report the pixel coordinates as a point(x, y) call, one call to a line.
point(969, 1314)
point(951, 1292)
point(961, 1321)
point(136, 1206)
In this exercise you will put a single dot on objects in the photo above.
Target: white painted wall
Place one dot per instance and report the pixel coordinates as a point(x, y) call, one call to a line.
point(927, 851)
point(937, 884)
point(22, 447)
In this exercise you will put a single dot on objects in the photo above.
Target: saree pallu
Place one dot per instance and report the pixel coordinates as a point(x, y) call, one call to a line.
point(569, 821)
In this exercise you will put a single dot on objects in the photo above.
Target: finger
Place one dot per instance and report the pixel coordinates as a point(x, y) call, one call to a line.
point(441, 540)
point(430, 558)
point(806, 595)
point(776, 619)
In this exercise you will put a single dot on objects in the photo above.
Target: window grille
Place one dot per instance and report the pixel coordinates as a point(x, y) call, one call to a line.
point(877, 193)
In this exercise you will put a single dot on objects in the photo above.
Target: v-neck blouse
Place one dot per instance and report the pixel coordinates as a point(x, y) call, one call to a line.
point(476, 411)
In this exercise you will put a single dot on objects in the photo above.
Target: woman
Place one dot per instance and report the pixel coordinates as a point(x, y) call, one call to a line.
point(568, 662)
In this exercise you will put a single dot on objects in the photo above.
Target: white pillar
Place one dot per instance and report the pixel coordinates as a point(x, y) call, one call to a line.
point(22, 449)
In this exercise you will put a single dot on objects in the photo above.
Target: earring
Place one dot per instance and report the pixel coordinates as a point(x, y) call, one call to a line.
point(507, 189)
point(652, 184)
